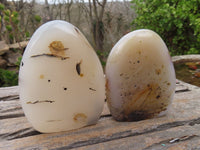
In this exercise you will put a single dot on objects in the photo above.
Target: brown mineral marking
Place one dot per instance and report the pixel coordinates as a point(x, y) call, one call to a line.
point(78, 69)
point(77, 30)
point(137, 116)
point(143, 92)
point(57, 48)
point(141, 99)
point(107, 87)
point(50, 55)
point(29, 102)
point(80, 117)
point(92, 89)
point(162, 66)
point(158, 71)
point(81, 75)
point(44, 101)
point(139, 52)
point(158, 96)
point(41, 76)
point(168, 83)
point(128, 106)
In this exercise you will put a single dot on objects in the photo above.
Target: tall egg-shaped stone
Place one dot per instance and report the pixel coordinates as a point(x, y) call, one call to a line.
point(140, 77)
point(61, 79)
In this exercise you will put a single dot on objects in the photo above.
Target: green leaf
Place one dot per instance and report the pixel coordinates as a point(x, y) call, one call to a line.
point(18, 62)
point(6, 18)
point(9, 27)
point(7, 12)
point(37, 18)
point(15, 21)
point(27, 34)
point(15, 14)
point(2, 7)
point(11, 36)
point(8, 78)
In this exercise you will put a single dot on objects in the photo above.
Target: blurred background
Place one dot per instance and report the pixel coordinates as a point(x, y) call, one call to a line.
point(102, 22)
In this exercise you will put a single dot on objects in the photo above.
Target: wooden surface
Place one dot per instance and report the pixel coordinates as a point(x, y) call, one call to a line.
point(179, 129)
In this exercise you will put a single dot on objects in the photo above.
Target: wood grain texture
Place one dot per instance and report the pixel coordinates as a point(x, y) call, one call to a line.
point(179, 129)
point(9, 91)
point(153, 140)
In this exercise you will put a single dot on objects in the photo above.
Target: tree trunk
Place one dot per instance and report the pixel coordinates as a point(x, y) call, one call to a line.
point(98, 34)
point(21, 7)
point(99, 25)
point(48, 15)
point(80, 11)
point(4, 2)
point(95, 12)
point(60, 10)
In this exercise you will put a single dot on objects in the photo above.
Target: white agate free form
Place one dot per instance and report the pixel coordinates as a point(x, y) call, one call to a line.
point(62, 85)
point(140, 77)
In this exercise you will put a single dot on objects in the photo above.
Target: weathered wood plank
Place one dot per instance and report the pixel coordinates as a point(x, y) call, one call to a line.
point(13, 127)
point(181, 88)
point(171, 137)
point(17, 133)
point(9, 91)
point(185, 58)
point(11, 109)
point(164, 133)
point(183, 113)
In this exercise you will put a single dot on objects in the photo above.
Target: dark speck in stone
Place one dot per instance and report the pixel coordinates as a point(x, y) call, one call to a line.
point(158, 96)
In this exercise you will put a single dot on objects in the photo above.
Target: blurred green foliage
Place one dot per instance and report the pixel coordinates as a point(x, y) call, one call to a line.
point(18, 62)
point(102, 56)
point(12, 32)
point(176, 21)
point(2, 7)
point(8, 78)
point(38, 18)
point(11, 20)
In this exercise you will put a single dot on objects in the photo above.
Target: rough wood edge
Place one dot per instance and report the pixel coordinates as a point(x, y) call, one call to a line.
point(184, 58)
point(9, 91)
